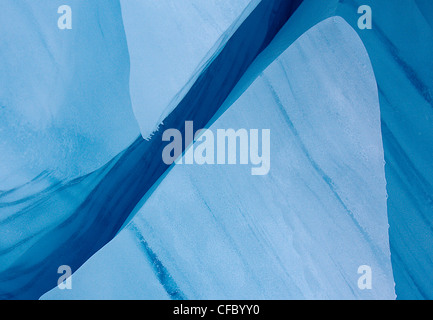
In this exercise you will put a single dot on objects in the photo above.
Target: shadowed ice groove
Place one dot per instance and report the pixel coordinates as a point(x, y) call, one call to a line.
point(303, 230)
point(105, 209)
point(165, 279)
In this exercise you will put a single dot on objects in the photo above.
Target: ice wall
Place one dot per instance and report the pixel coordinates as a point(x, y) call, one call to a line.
point(301, 232)
point(168, 42)
point(60, 128)
point(109, 195)
point(400, 46)
point(64, 95)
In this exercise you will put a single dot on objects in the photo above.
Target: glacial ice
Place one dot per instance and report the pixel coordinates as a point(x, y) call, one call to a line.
point(400, 46)
point(217, 232)
point(65, 107)
point(168, 41)
point(91, 210)
point(61, 120)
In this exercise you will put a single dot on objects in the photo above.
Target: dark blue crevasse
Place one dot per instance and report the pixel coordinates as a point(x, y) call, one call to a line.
point(109, 205)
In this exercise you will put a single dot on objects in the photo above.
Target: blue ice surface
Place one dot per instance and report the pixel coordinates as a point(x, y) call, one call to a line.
point(65, 111)
point(301, 232)
point(400, 51)
point(94, 221)
point(170, 42)
point(65, 107)
point(400, 46)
